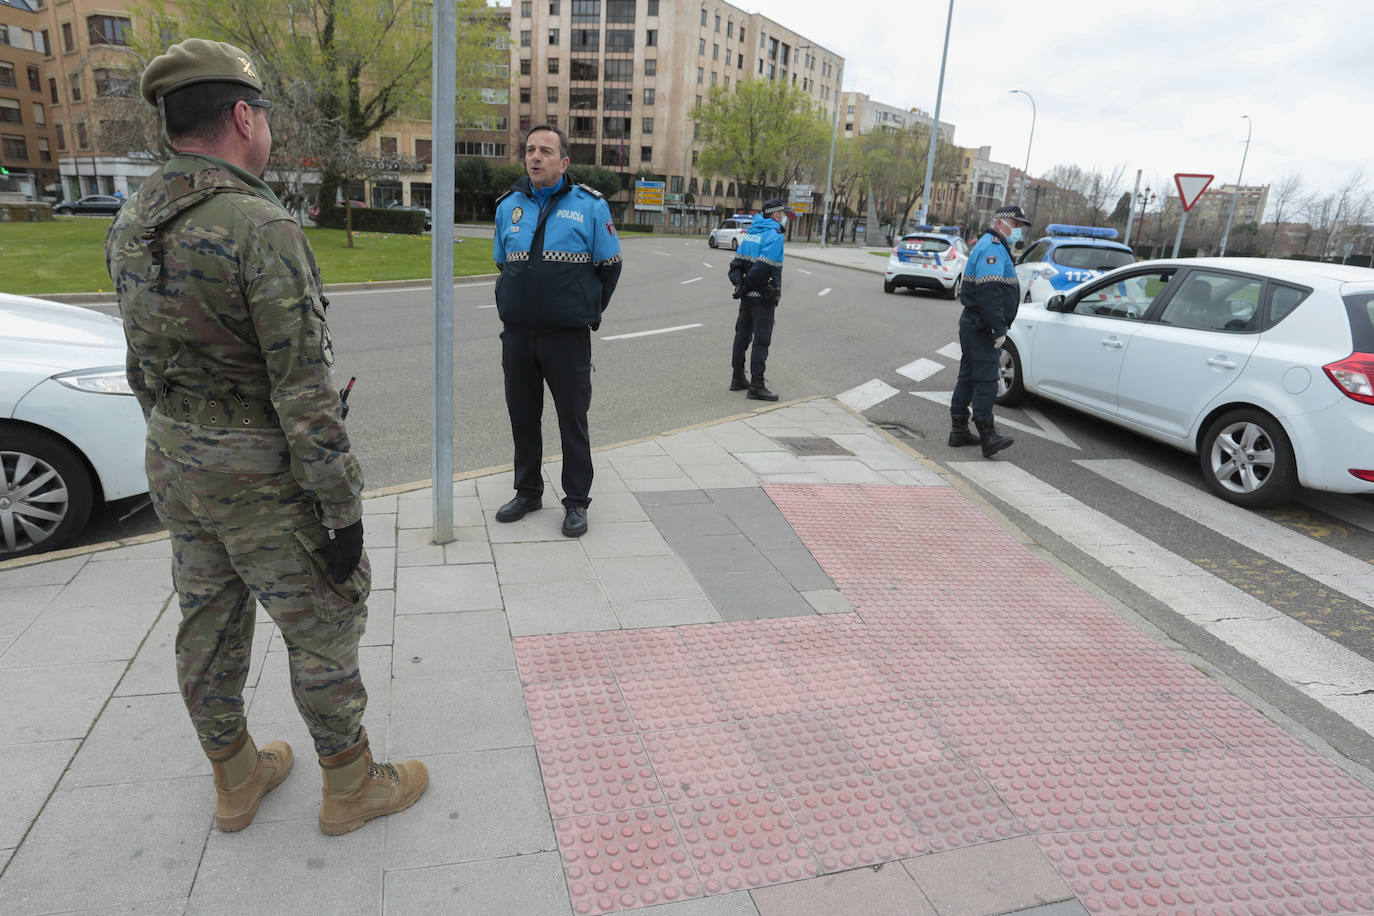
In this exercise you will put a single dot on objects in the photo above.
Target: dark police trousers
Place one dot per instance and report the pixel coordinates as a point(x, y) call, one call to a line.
point(562, 357)
point(977, 382)
point(755, 323)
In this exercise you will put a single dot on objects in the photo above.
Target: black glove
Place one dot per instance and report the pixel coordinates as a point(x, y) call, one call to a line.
point(739, 292)
point(345, 550)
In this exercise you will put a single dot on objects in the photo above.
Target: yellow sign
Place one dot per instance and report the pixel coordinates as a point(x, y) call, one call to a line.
point(649, 195)
point(799, 206)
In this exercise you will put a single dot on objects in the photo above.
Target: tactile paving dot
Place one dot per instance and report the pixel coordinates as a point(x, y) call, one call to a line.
point(743, 841)
point(891, 737)
point(596, 775)
point(853, 822)
point(638, 652)
point(1313, 781)
point(751, 692)
point(801, 750)
point(577, 709)
point(950, 805)
point(625, 859)
point(560, 657)
point(672, 699)
point(701, 762)
point(838, 681)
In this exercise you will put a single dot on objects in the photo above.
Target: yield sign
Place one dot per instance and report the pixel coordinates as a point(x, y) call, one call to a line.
point(1190, 187)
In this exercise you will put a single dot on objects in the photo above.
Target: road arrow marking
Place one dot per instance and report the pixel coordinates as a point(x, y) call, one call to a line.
point(951, 351)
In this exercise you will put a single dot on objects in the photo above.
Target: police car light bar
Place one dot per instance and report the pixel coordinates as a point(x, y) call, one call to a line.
point(950, 230)
point(923, 227)
point(1087, 232)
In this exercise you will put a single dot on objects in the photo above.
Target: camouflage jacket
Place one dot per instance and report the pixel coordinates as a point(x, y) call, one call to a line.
point(228, 349)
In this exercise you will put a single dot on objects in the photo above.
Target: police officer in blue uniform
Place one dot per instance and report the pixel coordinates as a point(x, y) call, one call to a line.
point(756, 273)
point(990, 297)
point(559, 259)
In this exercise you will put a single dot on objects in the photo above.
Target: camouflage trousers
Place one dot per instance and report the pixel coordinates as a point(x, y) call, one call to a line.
point(238, 538)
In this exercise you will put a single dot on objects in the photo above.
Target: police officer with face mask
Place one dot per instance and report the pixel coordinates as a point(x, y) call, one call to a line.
point(990, 298)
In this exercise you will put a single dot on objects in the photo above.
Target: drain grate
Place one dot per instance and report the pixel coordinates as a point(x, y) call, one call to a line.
point(814, 445)
point(901, 432)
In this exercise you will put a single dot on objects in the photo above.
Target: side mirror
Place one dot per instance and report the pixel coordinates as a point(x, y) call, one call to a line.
point(1056, 303)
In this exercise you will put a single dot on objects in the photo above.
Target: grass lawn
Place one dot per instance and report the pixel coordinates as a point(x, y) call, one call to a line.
point(67, 255)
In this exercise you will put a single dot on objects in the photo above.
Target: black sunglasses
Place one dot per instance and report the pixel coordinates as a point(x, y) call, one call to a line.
point(264, 104)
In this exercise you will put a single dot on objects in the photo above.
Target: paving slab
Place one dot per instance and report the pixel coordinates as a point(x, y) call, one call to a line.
point(879, 891)
point(526, 885)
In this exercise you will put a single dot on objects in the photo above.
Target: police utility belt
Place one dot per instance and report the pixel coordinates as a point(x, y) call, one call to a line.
point(235, 410)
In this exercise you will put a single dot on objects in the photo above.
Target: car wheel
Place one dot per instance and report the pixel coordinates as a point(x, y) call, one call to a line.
point(1246, 459)
point(1011, 386)
point(62, 211)
point(734, 244)
point(889, 286)
point(953, 291)
point(711, 241)
point(45, 492)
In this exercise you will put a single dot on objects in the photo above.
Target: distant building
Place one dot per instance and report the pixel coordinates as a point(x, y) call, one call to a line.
point(860, 114)
point(1215, 205)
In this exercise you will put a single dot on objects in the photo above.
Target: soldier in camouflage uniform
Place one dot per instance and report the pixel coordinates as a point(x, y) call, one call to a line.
point(248, 460)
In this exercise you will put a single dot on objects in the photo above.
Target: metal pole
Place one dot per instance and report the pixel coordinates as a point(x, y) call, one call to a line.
point(1134, 194)
point(1226, 233)
point(445, 65)
point(935, 128)
point(1182, 221)
point(830, 169)
point(1025, 172)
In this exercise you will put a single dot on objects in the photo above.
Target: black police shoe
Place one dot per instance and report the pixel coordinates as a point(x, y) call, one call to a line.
point(761, 394)
point(575, 521)
point(738, 383)
point(515, 510)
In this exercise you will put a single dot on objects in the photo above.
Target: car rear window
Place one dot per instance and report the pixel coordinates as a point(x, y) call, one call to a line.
point(918, 243)
point(1360, 308)
point(1090, 257)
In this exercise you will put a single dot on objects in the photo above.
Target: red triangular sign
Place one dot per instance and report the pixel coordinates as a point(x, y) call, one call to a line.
point(1190, 187)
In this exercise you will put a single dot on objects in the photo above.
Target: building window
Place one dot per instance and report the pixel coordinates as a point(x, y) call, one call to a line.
point(651, 67)
point(83, 139)
point(713, 78)
point(701, 76)
point(553, 7)
point(646, 125)
point(651, 38)
point(552, 94)
point(582, 98)
point(424, 151)
point(40, 116)
point(61, 137)
point(653, 7)
point(551, 120)
point(739, 65)
point(675, 184)
point(703, 17)
point(717, 22)
point(648, 97)
point(52, 90)
point(620, 71)
point(701, 45)
point(109, 30)
point(68, 42)
point(10, 112)
point(585, 70)
point(524, 38)
point(524, 95)
point(586, 10)
point(44, 150)
point(727, 82)
point(15, 149)
point(646, 153)
point(553, 36)
point(618, 100)
point(74, 82)
point(586, 40)
point(389, 147)
point(34, 83)
point(620, 10)
point(730, 29)
point(553, 65)
point(622, 40)
point(7, 77)
point(526, 9)
point(741, 33)
point(112, 83)
point(715, 52)
point(524, 66)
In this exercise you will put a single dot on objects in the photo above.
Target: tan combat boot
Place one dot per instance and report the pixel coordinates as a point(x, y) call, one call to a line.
point(357, 790)
point(245, 773)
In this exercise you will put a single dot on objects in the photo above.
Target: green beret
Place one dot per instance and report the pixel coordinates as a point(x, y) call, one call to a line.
point(197, 60)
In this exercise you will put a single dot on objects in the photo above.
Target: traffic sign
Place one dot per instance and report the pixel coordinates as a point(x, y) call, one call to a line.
point(1190, 187)
point(649, 195)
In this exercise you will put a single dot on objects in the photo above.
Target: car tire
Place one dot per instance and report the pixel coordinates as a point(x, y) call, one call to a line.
point(1266, 472)
point(27, 457)
point(711, 241)
point(889, 286)
point(734, 244)
point(953, 291)
point(1011, 385)
point(62, 211)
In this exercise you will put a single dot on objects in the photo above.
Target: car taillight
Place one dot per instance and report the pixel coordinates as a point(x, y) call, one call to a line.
point(1363, 474)
point(1354, 375)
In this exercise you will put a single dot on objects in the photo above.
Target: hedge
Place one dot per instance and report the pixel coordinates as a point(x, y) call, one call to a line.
point(373, 219)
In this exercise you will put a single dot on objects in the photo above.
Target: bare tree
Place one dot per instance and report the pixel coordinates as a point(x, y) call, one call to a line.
point(1286, 196)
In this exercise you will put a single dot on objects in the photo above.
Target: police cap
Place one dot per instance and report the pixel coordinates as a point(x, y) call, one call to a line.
point(197, 60)
point(774, 205)
point(1012, 214)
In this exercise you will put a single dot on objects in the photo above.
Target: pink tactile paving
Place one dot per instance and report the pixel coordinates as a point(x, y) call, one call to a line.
point(947, 711)
point(625, 859)
point(743, 841)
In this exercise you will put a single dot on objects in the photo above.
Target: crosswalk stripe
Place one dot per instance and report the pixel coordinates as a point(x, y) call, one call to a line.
point(862, 397)
point(951, 351)
point(1045, 430)
point(1331, 674)
point(1298, 552)
point(921, 369)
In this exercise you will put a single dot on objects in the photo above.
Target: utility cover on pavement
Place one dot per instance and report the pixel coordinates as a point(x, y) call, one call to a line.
point(814, 445)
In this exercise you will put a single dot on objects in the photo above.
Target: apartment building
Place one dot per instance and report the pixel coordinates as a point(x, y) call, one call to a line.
point(1214, 206)
point(860, 114)
point(620, 77)
point(28, 90)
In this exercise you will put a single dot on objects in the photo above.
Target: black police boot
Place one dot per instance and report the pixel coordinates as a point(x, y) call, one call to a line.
point(738, 382)
point(517, 508)
point(988, 438)
point(758, 392)
point(958, 432)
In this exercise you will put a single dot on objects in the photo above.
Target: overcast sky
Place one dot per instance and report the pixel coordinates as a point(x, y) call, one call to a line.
point(1159, 87)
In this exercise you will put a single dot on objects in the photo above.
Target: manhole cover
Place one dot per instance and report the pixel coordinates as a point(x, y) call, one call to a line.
point(815, 445)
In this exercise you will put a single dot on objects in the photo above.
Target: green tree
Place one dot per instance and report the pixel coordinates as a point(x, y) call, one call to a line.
point(894, 165)
point(764, 134)
point(358, 64)
point(472, 177)
point(603, 179)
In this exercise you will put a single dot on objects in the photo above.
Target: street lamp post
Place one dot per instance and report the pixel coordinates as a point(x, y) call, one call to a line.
point(1025, 172)
point(935, 124)
point(830, 168)
point(1235, 196)
point(1145, 198)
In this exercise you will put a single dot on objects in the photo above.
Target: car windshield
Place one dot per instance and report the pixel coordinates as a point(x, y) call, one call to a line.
point(1091, 257)
point(1360, 308)
point(924, 243)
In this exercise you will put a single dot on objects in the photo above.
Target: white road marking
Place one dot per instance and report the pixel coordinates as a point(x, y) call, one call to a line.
point(1331, 674)
point(1045, 428)
point(664, 253)
point(873, 391)
point(693, 280)
point(951, 351)
point(802, 271)
point(681, 327)
point(708, 266)
point(1313, 559)
point(334, 294)
point(921, 369)
point(824, 292)
point(492, 306)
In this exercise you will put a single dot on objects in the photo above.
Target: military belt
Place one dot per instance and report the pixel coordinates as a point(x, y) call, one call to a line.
point(233, 410)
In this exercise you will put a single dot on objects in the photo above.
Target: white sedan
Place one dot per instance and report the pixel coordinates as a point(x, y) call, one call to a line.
point(1263, 368)
point(71, 431)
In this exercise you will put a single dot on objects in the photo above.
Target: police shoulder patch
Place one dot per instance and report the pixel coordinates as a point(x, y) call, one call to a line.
point(590, 190)
point(992, 259)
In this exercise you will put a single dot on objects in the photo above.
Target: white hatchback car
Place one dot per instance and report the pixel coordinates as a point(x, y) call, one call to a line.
point(71, 431)
point(1263, 368)
point(928, 258)
point(730, 231)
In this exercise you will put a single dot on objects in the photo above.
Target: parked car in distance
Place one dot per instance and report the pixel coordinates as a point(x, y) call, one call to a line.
point(730, 231)
point(91, 204)
point(1066, 257)
point(424, 210)
point(314, 212)
point(1262, 368)
point(71, 431)
point(927, 257)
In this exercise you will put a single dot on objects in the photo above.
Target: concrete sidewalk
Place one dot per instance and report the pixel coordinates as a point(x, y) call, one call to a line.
point(791, 669)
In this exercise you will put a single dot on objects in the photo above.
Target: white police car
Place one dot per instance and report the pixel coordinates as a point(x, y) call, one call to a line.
point(730, 231)
point(1066, 257)
point(928, 258)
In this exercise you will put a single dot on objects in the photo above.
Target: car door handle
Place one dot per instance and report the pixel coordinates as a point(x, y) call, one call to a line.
point(1112, 343)
point(1221, 362)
